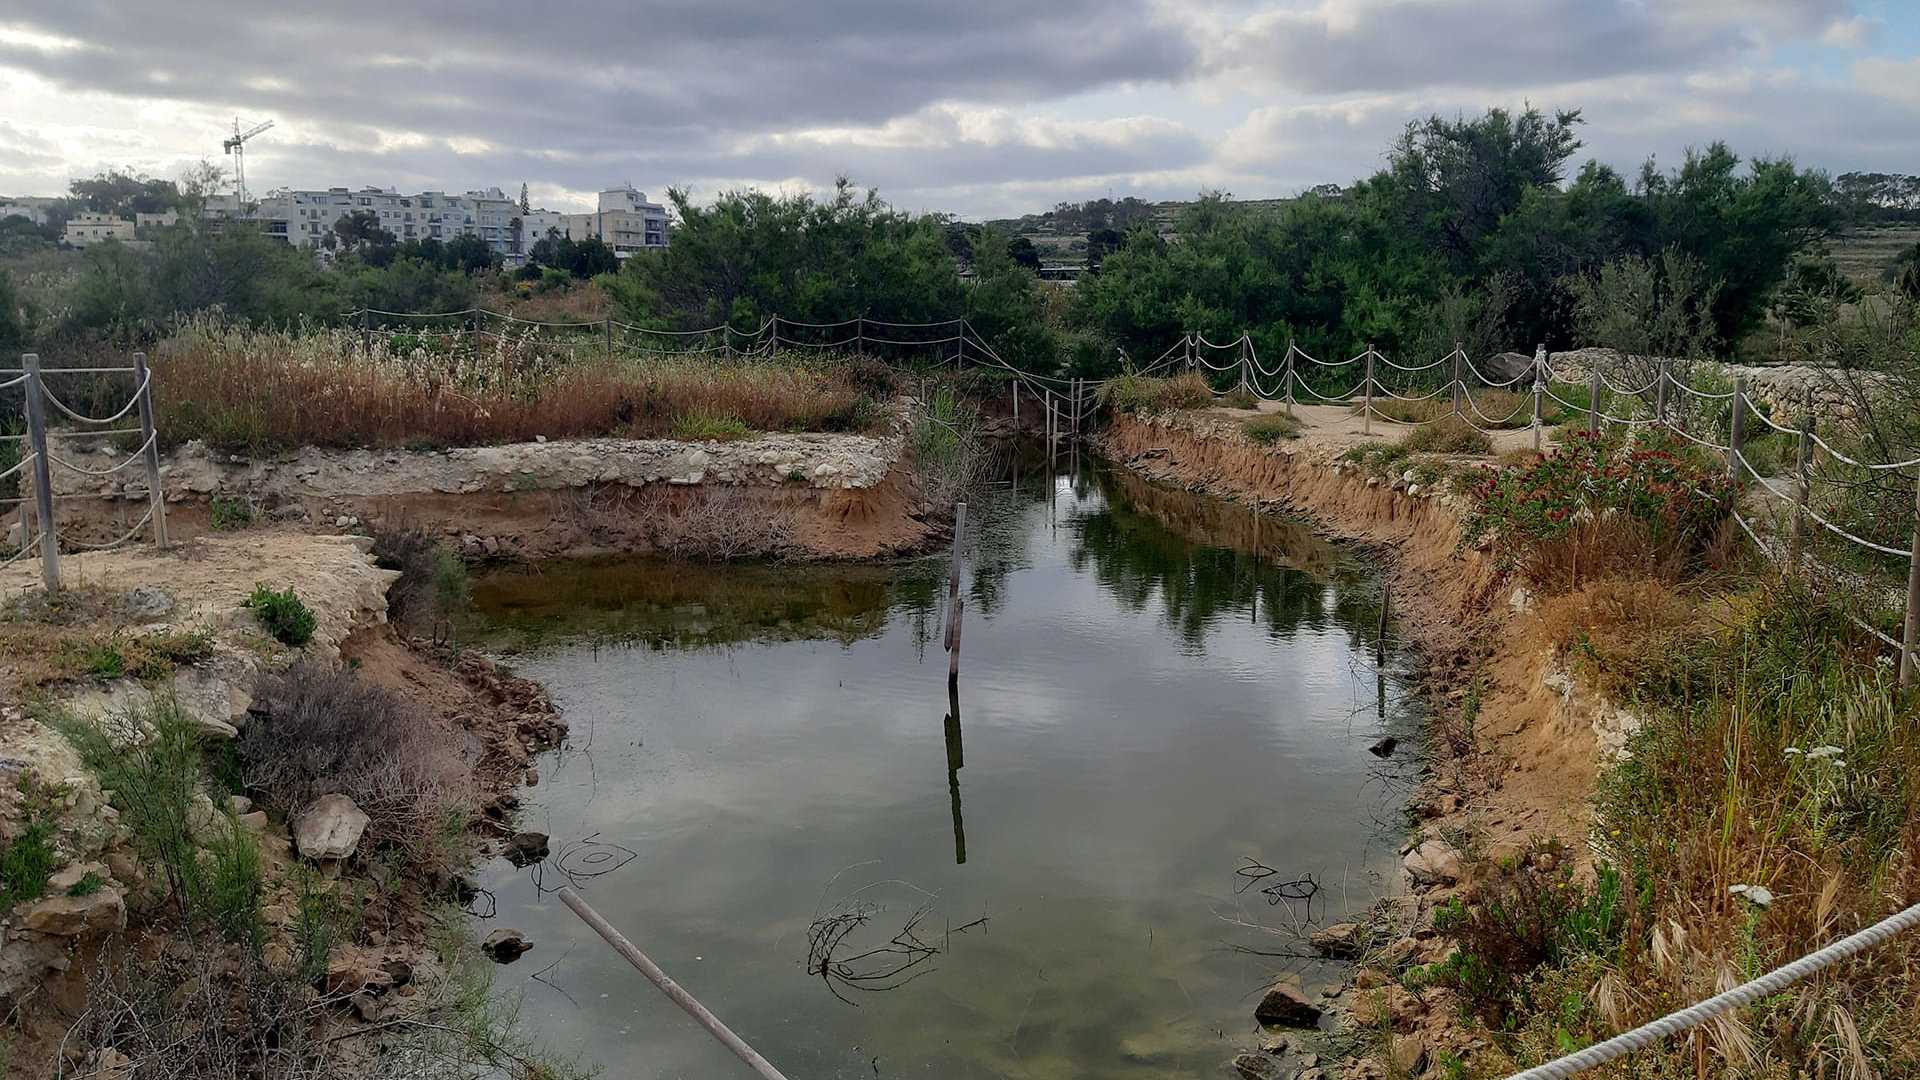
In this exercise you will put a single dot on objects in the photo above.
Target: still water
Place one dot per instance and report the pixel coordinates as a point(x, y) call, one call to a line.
point(767, 788)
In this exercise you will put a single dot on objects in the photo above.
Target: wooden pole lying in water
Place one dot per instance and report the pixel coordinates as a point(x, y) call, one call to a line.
point(667, 986)
point(1380, 632)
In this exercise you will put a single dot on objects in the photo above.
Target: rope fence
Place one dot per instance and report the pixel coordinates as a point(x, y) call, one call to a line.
point(35, 466)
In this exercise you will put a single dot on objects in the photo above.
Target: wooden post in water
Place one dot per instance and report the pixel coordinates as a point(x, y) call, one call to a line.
point(1016, 406)
point(667, 986)
point(953, 590)
point(953, 645)
point(1380, 631)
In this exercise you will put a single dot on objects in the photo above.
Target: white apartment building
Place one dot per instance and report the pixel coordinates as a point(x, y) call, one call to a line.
point(35, 214)
point(305, 218)
point(625, 221)
point(88, 227)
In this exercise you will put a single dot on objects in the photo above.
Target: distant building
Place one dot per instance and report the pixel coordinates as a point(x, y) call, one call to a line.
point(625, 222)
point(33, 213)
point(305, 218)
point(88, 227)
point(156, 221)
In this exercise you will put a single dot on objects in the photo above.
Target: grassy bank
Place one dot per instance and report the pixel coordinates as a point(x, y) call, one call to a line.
point(266, 390)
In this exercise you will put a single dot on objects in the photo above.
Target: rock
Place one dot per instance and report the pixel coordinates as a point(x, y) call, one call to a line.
point(1273, 1044)
point(1341, 940)
point(1408, 1053)
point(147, 603)
point(1285, 1005)
point(526, 848)
point(70, 916)
point(1507, 366)
point(255, 821)
point(240, 804)
point(342, 522)
point(207, 824)
point(398, 970)
point(1257, 1067)
point(123, 867)
point(532, 777)
point(1384, 747)
point(365, 1006)
point(504, 946)
point(329, 828)
point(1434, 862)
point(348, 974)
point(74, 873)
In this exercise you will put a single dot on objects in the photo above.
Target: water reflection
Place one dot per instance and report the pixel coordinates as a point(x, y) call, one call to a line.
point(1157, 688)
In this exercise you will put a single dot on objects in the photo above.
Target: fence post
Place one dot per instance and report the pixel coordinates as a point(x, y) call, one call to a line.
point(1738, 427)
point(860, 334)
point(1593, 401)
point(366, 330)
point(1539, 388)
point(42, 474)
point(1016, 405)
point(1805, 491)
point(1660, 379)
point(1289, 377)
point(953, 573)
point(773, 325)
point(156, 499)
point(1459, 383)
point(1910, 637)
point(1366, 405)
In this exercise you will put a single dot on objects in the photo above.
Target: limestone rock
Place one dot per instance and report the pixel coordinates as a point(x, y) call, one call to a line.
point(504, 946)
point(329, 828)
point(1257, 1067)
point(1286, 1005)
point(1434, 862)
point(526, 848)
point(1341, 940)
point(71, 916)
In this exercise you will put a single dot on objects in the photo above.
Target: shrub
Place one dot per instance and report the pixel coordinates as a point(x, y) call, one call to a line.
point(1447, 435)
point(320, 920)
point(227, 513)
point(326, 730)
point(287, 619)
point(1140, 393)
point(702, 425)
point(433, 580)
point(1599, 487)
point(1508, 408)
point(29, 859)
point(946, 451)
point(1271, 428)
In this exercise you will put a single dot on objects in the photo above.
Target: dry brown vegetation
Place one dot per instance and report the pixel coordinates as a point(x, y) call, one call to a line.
point(1510, 409)
point(262, 390)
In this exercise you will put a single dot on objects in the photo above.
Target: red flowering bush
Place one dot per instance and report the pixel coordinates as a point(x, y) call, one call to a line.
point(1648, 495)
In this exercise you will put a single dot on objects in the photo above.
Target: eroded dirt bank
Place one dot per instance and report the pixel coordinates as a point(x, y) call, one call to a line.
point(1515, 748)
point(807, 495)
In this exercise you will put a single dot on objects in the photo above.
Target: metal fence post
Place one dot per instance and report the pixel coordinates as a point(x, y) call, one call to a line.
point(1593, 401)
point(156, 499)
point(1805, 491)
point(1539, 389)
point(1459, 384)
point(1366, 404)
point(1910, 637)
point(1739, 426)
point(42, 474)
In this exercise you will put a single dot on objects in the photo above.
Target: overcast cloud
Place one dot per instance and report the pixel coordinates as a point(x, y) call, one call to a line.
point(982, 108)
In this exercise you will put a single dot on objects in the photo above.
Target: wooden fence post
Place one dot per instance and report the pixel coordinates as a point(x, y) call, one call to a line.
point(608, 327)
point(1016, 406)
point(1805, 489)
point(1289, 377)
point(1539, 389)
point(42, 474)
point(156, 500)
point(1910, 637)
point(366, 330)
point(1459, 381)
point(860, 334)
point(1593, 401)
point(953, 592)
point(1366, 404)
point(1660, 379)
point(1738, 427)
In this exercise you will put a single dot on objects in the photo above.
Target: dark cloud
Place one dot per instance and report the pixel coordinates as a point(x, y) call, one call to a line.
point(583, 76)
point(1354, 45)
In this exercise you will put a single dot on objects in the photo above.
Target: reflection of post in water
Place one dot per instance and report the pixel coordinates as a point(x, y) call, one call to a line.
point(956, 760)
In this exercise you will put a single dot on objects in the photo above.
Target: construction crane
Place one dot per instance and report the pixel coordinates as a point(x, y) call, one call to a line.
point(237, 146)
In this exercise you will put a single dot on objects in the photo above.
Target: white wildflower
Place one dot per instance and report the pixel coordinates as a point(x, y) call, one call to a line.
point(1757, 895)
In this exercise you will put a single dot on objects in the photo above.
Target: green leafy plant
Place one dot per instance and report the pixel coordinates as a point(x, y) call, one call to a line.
point(89, 883)
point(227, 513)
point(700, 424)
point(284, 615)
point(29, 859)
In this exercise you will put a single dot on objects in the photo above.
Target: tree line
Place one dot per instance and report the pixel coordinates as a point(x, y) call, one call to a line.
point(1479, 230)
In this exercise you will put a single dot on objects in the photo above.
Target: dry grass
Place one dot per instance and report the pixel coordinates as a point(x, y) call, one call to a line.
point(326, 731)
point(259, 390)
point(1509, 409)
point(1618, 633)
point(1139, 393)
point(1447, 435)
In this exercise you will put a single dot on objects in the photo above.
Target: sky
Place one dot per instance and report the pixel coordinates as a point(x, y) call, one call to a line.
point(981, 108)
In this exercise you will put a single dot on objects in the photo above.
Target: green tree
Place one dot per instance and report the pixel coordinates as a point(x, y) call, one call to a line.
point(13, 321)
point(125, 193)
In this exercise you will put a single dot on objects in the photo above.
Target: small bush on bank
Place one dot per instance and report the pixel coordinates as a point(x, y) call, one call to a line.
point(1140, 393)
point(1447, 435)
point(228, 513)
point(1271, 428)
point(1626, 501)
point(286, 618)
point(945, 448)
point(325, 730)
point(704, 426)
point(29, 859)
point(433, 581)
